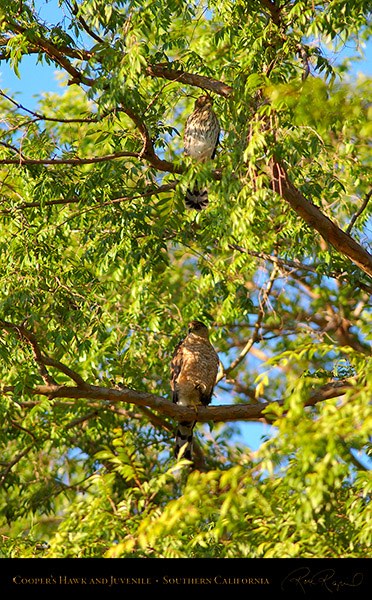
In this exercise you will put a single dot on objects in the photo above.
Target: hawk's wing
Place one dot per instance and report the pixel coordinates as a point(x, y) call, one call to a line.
point(215, 148)
point(176, 366)
point(184, 434)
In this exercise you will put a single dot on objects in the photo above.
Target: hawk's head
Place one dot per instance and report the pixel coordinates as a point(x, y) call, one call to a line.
point(204, 102)
point(198, 328)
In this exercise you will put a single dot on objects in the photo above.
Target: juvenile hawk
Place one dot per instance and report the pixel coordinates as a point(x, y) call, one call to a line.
point(200, 139)
point(194, 370)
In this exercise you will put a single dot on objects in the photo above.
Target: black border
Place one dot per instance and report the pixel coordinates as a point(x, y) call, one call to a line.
point(254, 577)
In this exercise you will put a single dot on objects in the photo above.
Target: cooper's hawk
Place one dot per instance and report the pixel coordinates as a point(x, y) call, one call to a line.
point(194, 369)
point(200, 139)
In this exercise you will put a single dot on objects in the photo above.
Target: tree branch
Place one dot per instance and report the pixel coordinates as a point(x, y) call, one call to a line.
point(273, 9)
point(58, 55)
point(201, 81)
point(359, 212)
point(161, 189)
point(295, 265)
point(16, 459)
point(24, 160)
point(83, 390)
point(42, 360)
point(237, 412)
point(253, 339)
point(160, 70)
point(314, 217)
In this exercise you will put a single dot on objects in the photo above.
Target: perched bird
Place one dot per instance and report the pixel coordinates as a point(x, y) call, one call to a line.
point(200, 139)
point(194, 368)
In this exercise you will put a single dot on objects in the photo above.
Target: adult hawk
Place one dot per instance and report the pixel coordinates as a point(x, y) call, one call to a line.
point(200, 139)
point(194, 368)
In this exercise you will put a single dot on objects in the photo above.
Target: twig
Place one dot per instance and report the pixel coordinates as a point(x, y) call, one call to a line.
point(253, 339)
point(43, 361)
point(161, 189)
point(13, 462)
point(359, 212)
point(305, 61)
point(29, 336)
point(24, 160)
point(40, 117)
point(75, 9)
point(295, 265)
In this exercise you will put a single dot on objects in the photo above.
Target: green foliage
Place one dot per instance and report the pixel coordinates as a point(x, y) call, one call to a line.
point(101, 268)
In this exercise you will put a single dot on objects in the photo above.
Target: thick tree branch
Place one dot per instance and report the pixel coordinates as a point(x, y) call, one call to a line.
point(201, 81)
point(237, 412)
point(145, 400)
point(314, 217)
point(273, 9)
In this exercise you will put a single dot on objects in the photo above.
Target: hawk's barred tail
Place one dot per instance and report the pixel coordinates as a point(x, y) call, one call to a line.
point(184, 437)
point(196, 199)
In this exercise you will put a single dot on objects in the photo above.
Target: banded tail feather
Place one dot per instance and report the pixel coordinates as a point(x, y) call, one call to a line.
point(196, 199)
point(184, 440)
